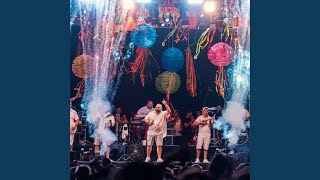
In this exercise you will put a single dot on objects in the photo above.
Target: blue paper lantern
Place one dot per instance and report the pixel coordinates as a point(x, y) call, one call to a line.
point(143, 36)
point(172, 60)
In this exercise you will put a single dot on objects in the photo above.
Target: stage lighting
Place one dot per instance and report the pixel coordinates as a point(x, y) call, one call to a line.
point(128, 4)
point(209, 6)
point(195, 1)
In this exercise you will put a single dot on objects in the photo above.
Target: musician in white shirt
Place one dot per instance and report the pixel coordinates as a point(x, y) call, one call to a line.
point(105, 121)
point(157, 129)
point(74, 122)
point(204, 134)
point(143, 112)
point(146, 109)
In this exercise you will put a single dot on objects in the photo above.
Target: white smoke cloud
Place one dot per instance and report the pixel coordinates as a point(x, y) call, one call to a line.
point(232, 121)
point(100, 24)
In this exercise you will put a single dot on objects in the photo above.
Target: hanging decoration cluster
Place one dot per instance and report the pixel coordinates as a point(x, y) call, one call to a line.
point(142, 36)
point(82, 67)
point(221, 54)
point(205, 39)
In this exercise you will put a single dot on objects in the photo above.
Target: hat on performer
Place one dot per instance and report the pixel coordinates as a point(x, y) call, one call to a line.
point(205, 108)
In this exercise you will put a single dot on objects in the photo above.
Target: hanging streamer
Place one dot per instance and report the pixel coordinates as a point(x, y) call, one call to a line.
point(140, 63)
point(171, 83)
point(80, 88)
point(183, 33)
point(169, 35)
point(191, 81)
point(205, 39)
point(221, 81)
point(225, 34)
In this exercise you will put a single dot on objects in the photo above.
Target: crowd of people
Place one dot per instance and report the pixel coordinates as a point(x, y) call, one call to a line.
point(221, 167)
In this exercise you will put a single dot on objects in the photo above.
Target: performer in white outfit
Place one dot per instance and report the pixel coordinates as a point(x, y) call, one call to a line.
point(105, 121)
point(204, 134)
point(146, 109)
point(74, 122)
point(157, 129)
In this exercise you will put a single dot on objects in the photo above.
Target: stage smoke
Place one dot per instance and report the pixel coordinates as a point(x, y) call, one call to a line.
point(232, 120)
point(102, 36)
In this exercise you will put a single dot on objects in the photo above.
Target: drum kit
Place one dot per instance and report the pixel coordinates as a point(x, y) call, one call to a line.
point(126, 136)
point(131, 135)
point(127, 132)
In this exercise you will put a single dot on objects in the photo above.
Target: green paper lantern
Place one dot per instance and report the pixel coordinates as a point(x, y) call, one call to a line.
point(168, 82)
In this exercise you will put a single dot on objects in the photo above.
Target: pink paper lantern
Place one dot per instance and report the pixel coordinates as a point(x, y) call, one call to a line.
point(221, 54)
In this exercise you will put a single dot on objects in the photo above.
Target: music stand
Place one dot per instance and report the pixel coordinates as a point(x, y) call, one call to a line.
point(125, 156)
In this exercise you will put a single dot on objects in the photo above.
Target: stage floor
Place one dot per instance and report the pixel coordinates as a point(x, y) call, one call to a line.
point(138, 152)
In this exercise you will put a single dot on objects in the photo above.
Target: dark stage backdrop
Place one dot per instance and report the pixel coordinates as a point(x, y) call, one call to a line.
point(131, 96)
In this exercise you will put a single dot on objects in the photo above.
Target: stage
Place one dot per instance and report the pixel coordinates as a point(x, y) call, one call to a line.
point(123, 154)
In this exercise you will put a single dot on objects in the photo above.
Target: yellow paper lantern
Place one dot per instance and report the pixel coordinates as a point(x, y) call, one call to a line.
point(82, 69)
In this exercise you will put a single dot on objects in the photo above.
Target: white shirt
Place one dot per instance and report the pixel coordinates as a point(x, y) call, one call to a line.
point(204, 130)
point(73, 117)
point(105, 121)
point(144, 110)
point(159, 122)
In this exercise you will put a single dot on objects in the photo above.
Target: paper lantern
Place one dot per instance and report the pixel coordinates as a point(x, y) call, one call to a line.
point(172, 60)
point(221, 54)
point(82, 69)
point(143, 36)
point(168, 82)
